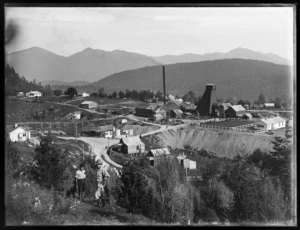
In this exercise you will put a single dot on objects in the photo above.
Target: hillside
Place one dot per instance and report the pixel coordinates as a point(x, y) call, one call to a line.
point(229, 145)
point(232, 77)
point(235, 53)
point(88, 65)
point(14, 83)
point(64, 83)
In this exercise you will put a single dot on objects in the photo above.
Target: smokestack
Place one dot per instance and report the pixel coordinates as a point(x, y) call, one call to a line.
point(164, 84)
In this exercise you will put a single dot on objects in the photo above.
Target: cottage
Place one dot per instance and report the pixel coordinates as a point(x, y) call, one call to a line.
point(85, 95)
point(269, 105)
point(158, 117)
point(34, 94)
point(20, 94)
point(176, 113)
point(18, 133)
point(235, 111)
point(271, 123)
point(154, 154)
point(89, 105)
point(130, 145)
point(100, 131)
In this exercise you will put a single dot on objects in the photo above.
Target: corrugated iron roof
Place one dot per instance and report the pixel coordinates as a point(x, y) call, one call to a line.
point(160, 152)
point(133, 140)
point(238, 108)
point(177, 111)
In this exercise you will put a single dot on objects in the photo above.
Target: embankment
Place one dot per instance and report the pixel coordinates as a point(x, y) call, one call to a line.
point(223, 143)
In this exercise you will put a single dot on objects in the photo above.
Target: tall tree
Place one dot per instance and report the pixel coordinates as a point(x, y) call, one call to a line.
point(261, 99)
point(71, 92)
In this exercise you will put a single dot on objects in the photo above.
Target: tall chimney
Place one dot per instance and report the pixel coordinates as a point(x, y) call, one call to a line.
point(164, 84)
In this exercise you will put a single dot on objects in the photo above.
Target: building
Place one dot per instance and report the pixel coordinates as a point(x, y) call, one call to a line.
point(123, 121)
point(34, 94)
point(185, 162)
point(18, 133)
point(146, 111)
point(271, 123)
point(85, 95)
point(207, 100)
point(155, 154)
point(223, 107)
point(89, 105)
point(235, 111)
point(131, 145)
point(176, 113)
point(158, 117)
point(20, 94)
point(76, 115)
point(100, 131)
point(191, 108)
point(269, 105)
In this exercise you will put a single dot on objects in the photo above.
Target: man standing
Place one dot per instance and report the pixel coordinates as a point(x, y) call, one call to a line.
point(80, 180)
point(102, 175)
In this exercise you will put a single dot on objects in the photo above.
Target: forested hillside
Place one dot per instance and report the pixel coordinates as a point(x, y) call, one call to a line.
point(233, 78)
point(14, 83)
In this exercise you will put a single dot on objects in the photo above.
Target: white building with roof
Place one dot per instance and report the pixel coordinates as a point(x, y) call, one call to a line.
point(85, 95)
point(132, 144)
point(89, 105)
point(155, 154)
point(271, 123)
point(269, 105)
point(34, 94)
point(18, 133)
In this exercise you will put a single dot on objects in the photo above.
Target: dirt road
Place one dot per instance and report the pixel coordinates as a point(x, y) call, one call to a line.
point(98, 147)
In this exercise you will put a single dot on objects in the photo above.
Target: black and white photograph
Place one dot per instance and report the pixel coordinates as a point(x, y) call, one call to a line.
point(148, 115)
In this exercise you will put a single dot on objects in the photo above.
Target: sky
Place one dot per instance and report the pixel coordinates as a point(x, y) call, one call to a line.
point(153, 31)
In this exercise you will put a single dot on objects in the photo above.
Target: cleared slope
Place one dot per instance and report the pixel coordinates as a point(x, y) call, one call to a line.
point(223, 143)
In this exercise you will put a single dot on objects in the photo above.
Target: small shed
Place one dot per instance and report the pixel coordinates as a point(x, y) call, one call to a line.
point(89, 105)
point(132, 145)
point(154, 154)
point(18, 133)
point(100, 131)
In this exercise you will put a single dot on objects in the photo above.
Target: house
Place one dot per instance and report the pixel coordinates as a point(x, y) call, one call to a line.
point(76, 115)
point(158, 117)
point(18, 133)
point(186, 163)
point(123, 121)
point(146, 111)
point(34, 94)
point(131, 145)
point(221, 108)
point(85, 95)
point(89, 105)
point(154, 154)
point(191, 108)
point(271, 123)
point(235, 111)
point(128, 132)
point(20, 94)
point(269, 105)
point(176, 113)
point(100, 131)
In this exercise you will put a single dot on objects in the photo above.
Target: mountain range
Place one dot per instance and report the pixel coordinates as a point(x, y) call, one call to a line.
point(244, 79)
point(92, 65)
point(235, 53)
point(87, 65)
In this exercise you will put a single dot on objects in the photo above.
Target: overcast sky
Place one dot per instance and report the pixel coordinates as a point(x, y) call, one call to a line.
point(154, 31)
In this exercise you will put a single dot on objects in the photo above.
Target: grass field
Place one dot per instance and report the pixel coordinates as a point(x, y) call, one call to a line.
point(229, 123)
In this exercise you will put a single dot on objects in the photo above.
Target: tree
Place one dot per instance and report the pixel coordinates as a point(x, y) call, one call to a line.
point(51, 163)
point(114, 94)
point(261, 99)
point(159, 95)
point(101, 93)
point(121, 94)
point(71, 92)
point(241, 102)
point(190, 96)
point(57, 92)
point(94, 94)
point(277, 102)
